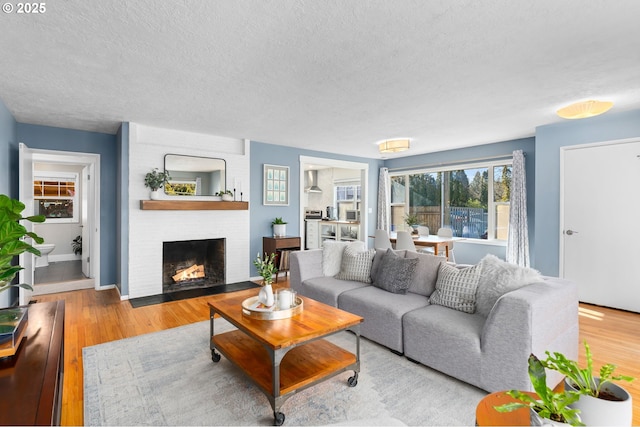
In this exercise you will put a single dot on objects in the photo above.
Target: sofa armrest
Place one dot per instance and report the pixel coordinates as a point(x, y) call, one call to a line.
point(304, 265)
point(533, 319)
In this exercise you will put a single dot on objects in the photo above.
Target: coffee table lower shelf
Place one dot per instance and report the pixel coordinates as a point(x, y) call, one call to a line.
point(296, 367)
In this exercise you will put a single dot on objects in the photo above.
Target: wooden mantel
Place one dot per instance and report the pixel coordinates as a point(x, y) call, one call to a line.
point(192, 205)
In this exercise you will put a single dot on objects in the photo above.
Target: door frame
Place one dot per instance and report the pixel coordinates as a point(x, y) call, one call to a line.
point(563, 151)
point(92, 162)
point(343, 164)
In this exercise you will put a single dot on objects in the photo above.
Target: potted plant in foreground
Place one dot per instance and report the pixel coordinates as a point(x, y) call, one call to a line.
point(12, 242)
point(279, 227)
point(600, 401)
point(266, 269)
point(155, 180)
point(548, 407)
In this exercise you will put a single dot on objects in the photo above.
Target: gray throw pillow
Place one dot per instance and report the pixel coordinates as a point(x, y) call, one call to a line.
point(356, 265)
point(426, 274)
point(499, 277)
point(456, 288)
point(395, 273)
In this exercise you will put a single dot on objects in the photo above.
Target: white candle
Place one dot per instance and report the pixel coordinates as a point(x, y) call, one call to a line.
point(285, 299)
point(240, 186)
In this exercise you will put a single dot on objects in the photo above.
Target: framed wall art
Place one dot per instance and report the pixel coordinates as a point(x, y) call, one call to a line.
point(276, 185)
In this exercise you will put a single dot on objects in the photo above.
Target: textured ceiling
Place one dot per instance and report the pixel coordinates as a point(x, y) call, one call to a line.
point(331, 75)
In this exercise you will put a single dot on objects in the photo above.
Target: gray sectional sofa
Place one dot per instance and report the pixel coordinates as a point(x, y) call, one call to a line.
point(483, 337)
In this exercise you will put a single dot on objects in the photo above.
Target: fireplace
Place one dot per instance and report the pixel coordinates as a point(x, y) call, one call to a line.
point(192, 264)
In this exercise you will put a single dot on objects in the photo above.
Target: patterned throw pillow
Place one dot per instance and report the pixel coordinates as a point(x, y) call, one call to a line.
point(395, 273)
point(356, 265)
point(456, 288)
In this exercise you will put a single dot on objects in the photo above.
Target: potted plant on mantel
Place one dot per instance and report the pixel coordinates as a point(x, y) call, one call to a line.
point(548, 407)
point(225, 195)
point(12, 242)
point(600, 401)
point(279, 227)
point(155, 180)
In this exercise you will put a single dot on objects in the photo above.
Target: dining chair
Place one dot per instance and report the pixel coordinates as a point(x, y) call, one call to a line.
point(405, 241)
point(448, 232)
point(423, 230)
point(381, 239)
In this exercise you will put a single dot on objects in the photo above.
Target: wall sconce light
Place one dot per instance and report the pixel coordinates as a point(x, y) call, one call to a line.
point(584, 109)
point(394, 145)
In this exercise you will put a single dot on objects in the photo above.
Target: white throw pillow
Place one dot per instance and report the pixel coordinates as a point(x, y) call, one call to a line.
point(332, 255)
point(499, 277)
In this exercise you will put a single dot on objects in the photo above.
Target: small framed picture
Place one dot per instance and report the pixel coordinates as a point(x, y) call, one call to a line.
point(276, 185)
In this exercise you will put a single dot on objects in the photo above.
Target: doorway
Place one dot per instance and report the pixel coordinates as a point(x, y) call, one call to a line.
point(599, 208)
point(347, 174)
point(62, 185)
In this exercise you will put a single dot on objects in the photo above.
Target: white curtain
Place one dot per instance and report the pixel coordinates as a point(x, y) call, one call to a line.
point(384, 200)
point(518, 241)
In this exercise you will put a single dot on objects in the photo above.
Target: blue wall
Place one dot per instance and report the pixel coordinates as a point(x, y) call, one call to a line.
point(122, 141)
point(549, 140)
point(51, 138)
point(261, 216)
point(471, 253)
point(8, 145)
point(8, 183)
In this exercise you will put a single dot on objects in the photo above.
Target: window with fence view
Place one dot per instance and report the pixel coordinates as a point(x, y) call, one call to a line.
point(473, 201)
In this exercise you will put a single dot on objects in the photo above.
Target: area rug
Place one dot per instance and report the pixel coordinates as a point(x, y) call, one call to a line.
point(168, 378)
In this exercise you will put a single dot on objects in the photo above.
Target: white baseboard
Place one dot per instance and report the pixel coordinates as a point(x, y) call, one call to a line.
point(64, 257)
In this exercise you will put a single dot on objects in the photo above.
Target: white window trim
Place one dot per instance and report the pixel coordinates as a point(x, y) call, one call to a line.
point(491, 204)
point(60, 176)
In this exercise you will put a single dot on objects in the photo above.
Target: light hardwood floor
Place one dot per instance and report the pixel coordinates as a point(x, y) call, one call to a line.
point(93, 317)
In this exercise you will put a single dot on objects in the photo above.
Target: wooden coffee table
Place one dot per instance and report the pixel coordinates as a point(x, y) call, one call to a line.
point(285, 356)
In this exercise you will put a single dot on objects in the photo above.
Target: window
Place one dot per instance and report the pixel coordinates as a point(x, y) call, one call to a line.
point(55, 197)
point(455, 197)
point(347, 197)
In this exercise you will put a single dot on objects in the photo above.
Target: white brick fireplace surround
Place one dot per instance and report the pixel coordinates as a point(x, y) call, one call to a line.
point(148, 229)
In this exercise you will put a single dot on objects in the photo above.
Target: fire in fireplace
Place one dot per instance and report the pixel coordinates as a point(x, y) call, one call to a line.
point(192, 264)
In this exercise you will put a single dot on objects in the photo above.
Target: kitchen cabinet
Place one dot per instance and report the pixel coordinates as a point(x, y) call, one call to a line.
point(312, 235)
point(340, 230)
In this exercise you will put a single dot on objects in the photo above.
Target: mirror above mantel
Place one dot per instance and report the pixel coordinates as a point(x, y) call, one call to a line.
point(194, 176)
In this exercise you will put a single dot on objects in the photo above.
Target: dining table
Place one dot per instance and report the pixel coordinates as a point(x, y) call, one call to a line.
point(432, 240)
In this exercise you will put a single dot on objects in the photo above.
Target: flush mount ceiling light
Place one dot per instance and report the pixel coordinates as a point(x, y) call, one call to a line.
point(584, 109)
point(394, 145)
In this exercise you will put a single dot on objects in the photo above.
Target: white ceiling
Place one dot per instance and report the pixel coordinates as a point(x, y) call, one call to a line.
point(330, 75)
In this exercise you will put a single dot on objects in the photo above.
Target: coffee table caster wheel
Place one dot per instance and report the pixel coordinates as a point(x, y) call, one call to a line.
point(353, 381)
point(278, 418)
point(215, 356)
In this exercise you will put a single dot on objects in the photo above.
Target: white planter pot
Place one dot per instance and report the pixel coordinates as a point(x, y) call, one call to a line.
point(154, 195)
point(601, 412)
point(537, 420)
point(279, 230)
point(227, 198)
point(265, 296)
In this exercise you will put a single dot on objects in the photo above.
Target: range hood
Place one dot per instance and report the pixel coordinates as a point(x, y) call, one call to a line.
point(312, 182)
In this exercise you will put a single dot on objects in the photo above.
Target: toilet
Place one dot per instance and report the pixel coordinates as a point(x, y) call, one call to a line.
point(45, 250)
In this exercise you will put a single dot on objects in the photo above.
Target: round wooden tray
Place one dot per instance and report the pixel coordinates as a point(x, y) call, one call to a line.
point(249, 309)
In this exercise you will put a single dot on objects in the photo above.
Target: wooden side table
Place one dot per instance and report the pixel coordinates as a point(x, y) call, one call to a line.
point(276, 245)
point(486, 415)
point(31, 380)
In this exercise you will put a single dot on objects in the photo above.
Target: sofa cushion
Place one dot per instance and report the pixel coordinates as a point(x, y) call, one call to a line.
point(499, 277)
point(426, 274)
point(395, 273)
point(456, 288)
point(328, 289)
point(332, 255)
point(377, 260)
point(356, 265)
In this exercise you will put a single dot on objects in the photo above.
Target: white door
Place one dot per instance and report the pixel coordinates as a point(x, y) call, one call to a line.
point(25, 187)
point(600, 223)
